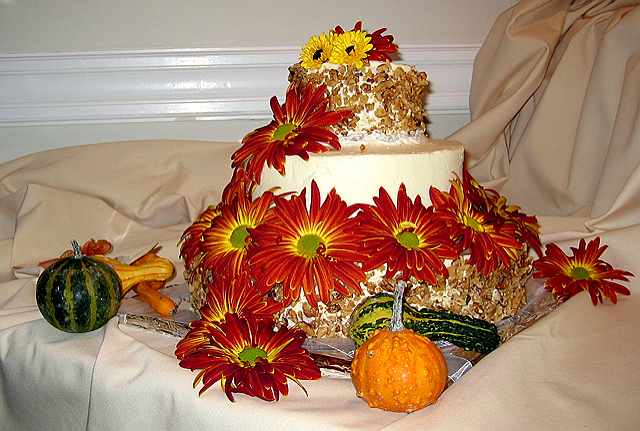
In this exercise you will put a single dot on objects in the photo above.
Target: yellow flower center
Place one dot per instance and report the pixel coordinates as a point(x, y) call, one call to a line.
point(308, 245)
point(406, 235)
point(473, 223)
point(283, 131)
point(317, 55)
point(250, 354)
point(239, 236)
point(580, 273)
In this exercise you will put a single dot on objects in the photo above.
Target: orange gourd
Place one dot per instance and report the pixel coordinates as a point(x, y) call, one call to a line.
point(399, 370)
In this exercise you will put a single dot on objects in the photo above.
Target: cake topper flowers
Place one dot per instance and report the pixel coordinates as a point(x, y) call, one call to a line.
point(583, 270)
point(347, 47)
point(299, 127)
point(382, 45)
point(407, 238)
point(315, 250)
point(249, 356)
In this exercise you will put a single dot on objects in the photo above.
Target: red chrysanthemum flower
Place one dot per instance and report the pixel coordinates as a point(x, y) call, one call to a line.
point(486, 200)
point(316, 250)
point(239, 185)
point(191, 240)
point(235, 296)
point(226, 243)
point(491, 241)
point(299, 127)
point(383, 46)
point(248, 356)
point(526, 226)
point(481, 198)
point(407, 238)
point(357, 27)
point(584, 270)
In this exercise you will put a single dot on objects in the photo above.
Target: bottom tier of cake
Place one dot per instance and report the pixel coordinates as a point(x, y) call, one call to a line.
point(494, 297)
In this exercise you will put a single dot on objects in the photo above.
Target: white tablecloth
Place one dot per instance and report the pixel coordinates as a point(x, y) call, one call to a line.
point(575, 369)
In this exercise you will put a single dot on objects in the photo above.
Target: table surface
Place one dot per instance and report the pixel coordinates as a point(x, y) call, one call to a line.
point(574, 369)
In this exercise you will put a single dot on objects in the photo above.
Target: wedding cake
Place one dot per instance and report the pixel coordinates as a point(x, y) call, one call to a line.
point(353, 129)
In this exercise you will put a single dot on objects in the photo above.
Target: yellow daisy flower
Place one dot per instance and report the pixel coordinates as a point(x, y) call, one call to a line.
point(317, 51)
point(351, 48)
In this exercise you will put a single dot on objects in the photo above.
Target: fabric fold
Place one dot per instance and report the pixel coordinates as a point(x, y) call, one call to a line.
point(554, 106)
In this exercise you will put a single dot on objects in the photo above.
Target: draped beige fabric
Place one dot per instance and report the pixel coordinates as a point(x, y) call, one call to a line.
point(555, 109)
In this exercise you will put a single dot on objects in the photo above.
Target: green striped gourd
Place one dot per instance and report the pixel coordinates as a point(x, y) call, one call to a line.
point(78, 293)
point(466, 332)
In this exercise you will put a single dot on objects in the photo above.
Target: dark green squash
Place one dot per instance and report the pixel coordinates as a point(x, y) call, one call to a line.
point(463, 331)
point(78, 293)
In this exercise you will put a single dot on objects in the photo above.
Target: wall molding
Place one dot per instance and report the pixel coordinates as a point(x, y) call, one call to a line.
point(194, 84)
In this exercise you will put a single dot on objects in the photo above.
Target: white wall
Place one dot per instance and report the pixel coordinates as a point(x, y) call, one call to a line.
point(42, 32)
point(89, 25)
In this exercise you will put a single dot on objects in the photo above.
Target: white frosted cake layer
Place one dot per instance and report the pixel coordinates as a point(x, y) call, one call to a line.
point(358, 171)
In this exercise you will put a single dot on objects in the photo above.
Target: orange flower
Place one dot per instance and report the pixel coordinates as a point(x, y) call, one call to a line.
point(239, 185)
point(488, 200)
point(584, 270)
point(248, 356)
point(226, 243)
point(299, 126)
point(481, 198)
point(407, 238)
point(237, 296)
point(526, 226)
point(316, 250)
point(191, 240)
point(491, 241)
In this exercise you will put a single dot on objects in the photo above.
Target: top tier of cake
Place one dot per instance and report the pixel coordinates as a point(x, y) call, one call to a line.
point(387, 99)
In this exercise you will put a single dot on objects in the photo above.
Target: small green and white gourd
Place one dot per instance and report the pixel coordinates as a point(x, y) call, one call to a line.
point(78, 293)
point(466, 332)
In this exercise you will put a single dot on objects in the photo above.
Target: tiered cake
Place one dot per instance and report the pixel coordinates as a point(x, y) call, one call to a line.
point(382, 144)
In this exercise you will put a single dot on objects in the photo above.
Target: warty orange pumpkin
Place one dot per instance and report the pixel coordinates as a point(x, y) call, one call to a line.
point(399, 370)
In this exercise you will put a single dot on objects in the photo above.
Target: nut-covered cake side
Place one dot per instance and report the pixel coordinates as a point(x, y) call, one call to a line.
point(385, 98)
point(491, 297)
